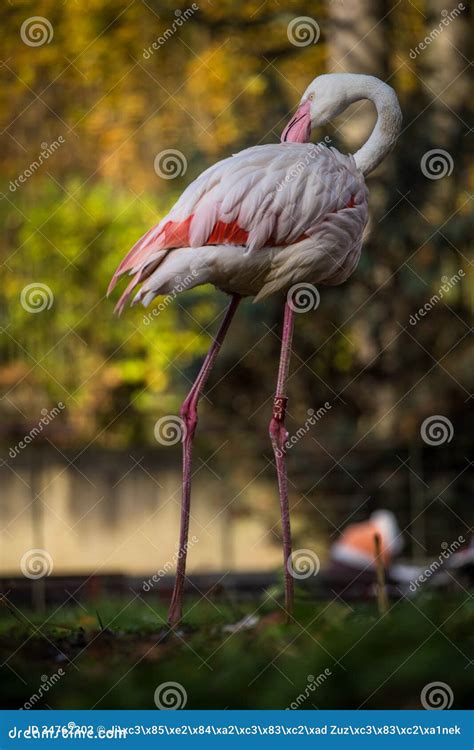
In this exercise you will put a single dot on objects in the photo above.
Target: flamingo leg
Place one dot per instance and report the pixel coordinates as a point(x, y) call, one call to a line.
point(278, 436)
point(189, 415)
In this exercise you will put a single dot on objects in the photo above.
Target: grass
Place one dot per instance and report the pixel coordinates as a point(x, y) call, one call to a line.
point(114, 653)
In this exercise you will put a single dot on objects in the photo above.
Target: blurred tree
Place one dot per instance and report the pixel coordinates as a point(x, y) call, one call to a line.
point(227, 76)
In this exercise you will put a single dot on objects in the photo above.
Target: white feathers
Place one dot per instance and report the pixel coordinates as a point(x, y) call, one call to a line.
point(303, 205)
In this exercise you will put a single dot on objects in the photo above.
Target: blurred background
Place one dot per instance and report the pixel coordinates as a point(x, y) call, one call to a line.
point(92, 95)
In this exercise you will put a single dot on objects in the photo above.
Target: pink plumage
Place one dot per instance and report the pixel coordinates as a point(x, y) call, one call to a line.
point(287, 213)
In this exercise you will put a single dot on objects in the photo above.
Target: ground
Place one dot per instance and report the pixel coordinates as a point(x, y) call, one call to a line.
point(115, 653)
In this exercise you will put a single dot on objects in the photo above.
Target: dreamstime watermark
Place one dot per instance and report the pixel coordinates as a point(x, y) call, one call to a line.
point(447, 551)
point(180, 20)
point(47, 150)
point(36, 31)
point(36, 297)
point(447, 285)
point(436, 430)
point(181, 285)
point(302, 31)
point(170, 696)
point(36, 563)
point(312, 153)
point(303, 297)
point(303, 563)
point(436, 164)
point(48, 415)
point(170, 164)
point(46, 684)
point(313, 418)
point(313, 684)
point(169, 429)
point(169, 565)
point(437, 696)
point(447, 17)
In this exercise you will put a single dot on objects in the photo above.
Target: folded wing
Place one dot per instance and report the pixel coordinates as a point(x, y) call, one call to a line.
point(269, 195)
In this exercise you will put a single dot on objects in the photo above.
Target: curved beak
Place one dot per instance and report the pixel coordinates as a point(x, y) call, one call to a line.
point(298, 129)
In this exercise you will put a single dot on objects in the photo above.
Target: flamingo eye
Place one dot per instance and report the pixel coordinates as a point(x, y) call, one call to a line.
point(310, 97)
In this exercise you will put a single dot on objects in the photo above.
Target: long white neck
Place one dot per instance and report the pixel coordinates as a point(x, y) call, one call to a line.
point(389, 119)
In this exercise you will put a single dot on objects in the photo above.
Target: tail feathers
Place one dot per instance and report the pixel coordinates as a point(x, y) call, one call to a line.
point(126, 294)
point(180, 271)
point(139, 276)
point(136, 255)
point(164, 236)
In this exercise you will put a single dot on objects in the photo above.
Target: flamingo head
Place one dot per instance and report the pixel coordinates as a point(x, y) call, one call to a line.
point(325, 98)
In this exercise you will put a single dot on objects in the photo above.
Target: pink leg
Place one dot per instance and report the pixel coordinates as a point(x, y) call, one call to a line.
point(189, 416)
point(279, 435)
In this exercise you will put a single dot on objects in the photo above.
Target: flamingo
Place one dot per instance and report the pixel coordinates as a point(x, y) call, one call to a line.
point(268, 219)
